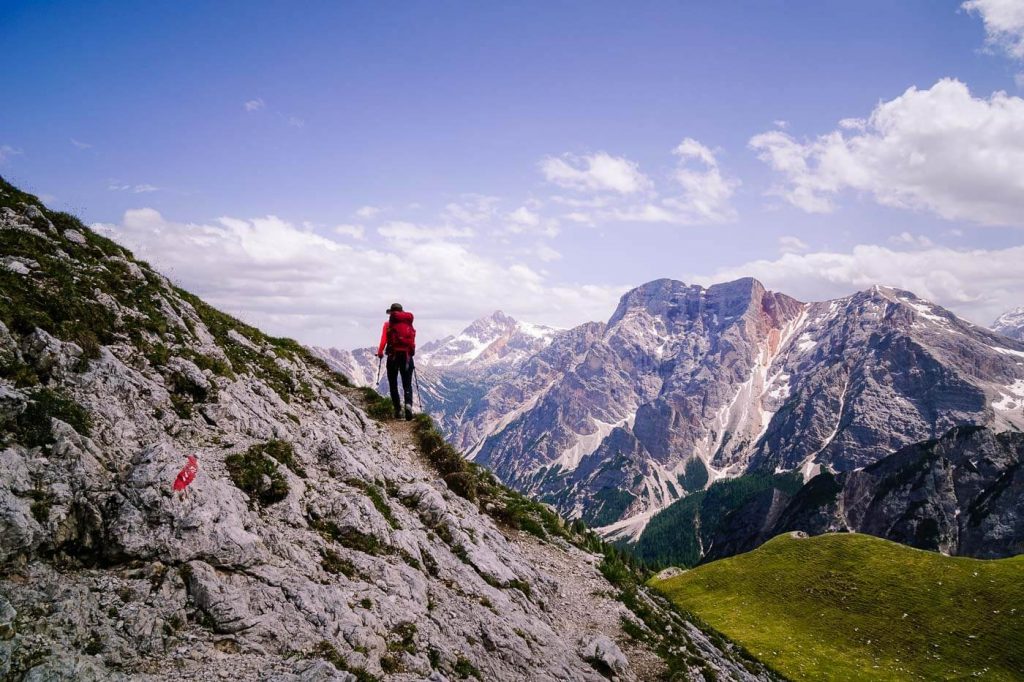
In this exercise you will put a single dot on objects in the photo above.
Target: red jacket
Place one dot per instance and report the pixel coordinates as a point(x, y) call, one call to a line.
point(383, 340)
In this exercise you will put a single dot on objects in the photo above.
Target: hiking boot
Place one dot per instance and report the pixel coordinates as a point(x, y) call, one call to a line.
point(398, 412)
point(408, 413)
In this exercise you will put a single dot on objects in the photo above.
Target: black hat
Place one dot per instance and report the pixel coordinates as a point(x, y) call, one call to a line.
point(393, 308)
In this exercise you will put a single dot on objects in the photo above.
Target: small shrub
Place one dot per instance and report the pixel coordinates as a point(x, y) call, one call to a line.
point(21, 374)
point(377, 406)
point(34, 426)
point(329, 653)
point(430, 563)
point(181, 405)
point(377, 498)
point(215, 365)
point(332, 562)
point(464, 669)
point(463, 484)
point(520, 585)
point(390, 664)
point(351, 538)
point(284, 453)
point(257, 475)
point(40, 507)
point(406, 638)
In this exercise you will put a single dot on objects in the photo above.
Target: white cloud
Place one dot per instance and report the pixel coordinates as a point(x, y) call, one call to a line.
point(705, 196)
point(547, 254)
point(354, 231)
point(524, 216)
point(976, 284)
point(78, 144)
point(7, 151)
point(706, 192)
point(598, 172)
point(524, 220)
point(134, 189)
point(578, 217)
point(939, 150)
point(255, 104)
point(402, 231)
point(1004, 23)
point(643, 213)
point(296, 122)
point(788, 244)
point(1019, 80)
point(473, 209)
point(367, 211)
point(908, 239)
point(297, 282)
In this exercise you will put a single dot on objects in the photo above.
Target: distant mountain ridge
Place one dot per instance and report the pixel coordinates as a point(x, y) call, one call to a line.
point(1011, 323)
point(495, 342)
point(686, 384)
point(611, 422)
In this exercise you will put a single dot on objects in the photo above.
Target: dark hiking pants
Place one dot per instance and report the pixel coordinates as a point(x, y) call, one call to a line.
point(400, 363)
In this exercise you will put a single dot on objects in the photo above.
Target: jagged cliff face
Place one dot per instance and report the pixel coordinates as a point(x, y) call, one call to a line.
point(961, 494)
point(313, 538)
point(1011, 323)
point(685, 385)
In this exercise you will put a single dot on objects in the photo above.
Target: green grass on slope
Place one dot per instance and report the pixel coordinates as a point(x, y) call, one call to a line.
point(854, 607)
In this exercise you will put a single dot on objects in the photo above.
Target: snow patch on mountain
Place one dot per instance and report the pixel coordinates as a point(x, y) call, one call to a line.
point(496, 341)
point(1011, 323)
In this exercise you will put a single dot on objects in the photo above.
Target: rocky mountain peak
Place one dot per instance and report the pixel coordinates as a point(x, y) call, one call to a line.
point(497, 341)
point(1010, 323)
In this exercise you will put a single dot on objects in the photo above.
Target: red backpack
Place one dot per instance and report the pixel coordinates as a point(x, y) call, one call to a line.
point(401, 333)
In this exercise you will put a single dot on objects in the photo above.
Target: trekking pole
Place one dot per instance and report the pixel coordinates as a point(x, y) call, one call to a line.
point(416, 380)
point(380, 362)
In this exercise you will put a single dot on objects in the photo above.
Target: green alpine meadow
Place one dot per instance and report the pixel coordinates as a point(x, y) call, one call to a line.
point(850, 607)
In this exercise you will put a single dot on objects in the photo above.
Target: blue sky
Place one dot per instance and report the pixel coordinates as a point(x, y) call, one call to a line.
point(302, 166)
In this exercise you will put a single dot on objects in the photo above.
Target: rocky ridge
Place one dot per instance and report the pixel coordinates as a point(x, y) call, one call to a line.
point(316, 543)
point(1011, 323)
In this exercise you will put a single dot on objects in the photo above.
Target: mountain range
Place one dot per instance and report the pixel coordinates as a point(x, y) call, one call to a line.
point(684, 385)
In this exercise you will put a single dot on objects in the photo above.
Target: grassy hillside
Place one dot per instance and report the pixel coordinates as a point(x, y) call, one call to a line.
point(854, 607)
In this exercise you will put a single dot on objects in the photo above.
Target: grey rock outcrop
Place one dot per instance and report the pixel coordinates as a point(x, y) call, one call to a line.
point(314, 543)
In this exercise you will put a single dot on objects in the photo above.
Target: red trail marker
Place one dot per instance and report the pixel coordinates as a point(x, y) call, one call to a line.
point(187, 473)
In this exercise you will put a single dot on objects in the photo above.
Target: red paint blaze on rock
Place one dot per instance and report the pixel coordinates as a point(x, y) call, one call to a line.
point(187, 473)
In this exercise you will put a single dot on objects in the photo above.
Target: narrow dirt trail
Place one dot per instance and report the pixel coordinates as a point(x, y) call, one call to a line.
point(584, 604)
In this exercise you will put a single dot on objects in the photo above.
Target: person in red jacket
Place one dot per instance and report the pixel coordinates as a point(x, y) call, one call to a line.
point(398, 340)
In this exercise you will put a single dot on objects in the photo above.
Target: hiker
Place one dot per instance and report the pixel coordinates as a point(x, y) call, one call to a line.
point(398, 339)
